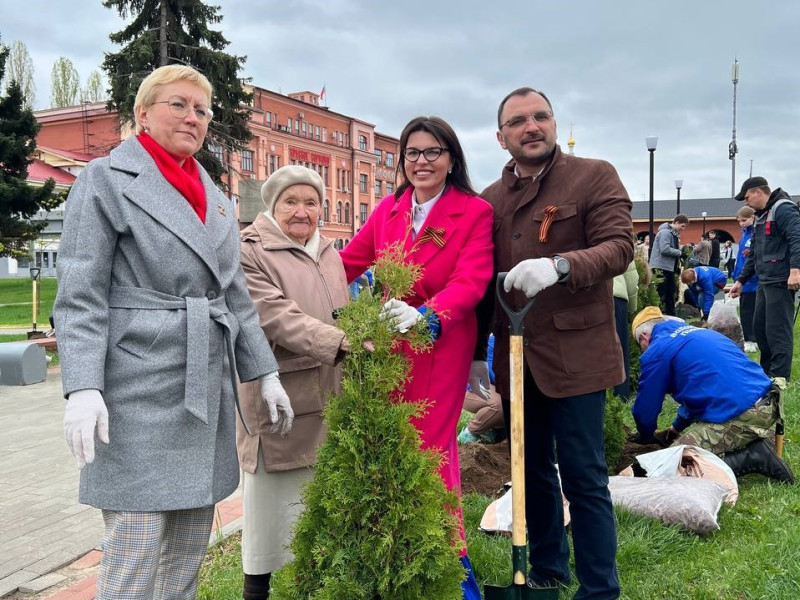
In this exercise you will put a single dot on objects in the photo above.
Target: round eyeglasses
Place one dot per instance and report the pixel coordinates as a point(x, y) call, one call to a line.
point(180, 108)
point(430, 154)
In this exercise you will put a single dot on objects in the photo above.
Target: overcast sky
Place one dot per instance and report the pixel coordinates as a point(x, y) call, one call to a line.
point(617, 70)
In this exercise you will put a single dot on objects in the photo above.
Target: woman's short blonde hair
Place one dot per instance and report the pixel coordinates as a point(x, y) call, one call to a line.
point(148, 89)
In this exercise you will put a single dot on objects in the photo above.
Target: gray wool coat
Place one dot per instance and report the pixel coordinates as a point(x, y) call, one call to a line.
point(152, 310)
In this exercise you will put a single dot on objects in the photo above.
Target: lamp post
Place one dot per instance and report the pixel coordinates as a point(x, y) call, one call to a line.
point(651, 141)
point(678, 186)
point(705, 214)
point(35, 271)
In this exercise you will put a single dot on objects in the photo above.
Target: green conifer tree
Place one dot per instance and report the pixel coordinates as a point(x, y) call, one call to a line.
point(18, 200)
point(167, 32)
point(378, 521)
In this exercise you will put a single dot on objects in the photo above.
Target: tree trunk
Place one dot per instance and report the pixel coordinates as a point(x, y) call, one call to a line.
point(162, 36)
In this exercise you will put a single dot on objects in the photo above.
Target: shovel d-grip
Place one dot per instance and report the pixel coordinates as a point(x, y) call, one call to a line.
point(518, 590)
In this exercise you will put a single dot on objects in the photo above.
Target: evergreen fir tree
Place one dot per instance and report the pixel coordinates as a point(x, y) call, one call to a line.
point(378, 521)
point(18, 200)
point(167, 32)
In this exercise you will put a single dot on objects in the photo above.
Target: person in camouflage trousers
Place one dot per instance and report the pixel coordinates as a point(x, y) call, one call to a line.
point(727, 405)
point(756, 422)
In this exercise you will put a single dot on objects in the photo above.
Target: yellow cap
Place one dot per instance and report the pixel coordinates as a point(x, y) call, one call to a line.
point(646, 314)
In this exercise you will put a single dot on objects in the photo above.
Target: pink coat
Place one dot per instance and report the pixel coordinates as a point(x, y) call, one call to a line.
point(454, 279)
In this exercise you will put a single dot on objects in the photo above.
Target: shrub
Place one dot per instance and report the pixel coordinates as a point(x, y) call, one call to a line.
point(378, 521)
point(613, 429)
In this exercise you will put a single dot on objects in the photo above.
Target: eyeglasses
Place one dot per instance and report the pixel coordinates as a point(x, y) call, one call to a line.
point(516, 121)
point(180, 108)
point(430, 154)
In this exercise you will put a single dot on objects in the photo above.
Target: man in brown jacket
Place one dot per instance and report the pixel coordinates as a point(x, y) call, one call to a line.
point(562, 230)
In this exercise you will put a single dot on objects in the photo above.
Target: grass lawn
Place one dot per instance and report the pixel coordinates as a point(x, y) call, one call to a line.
point(754, 555)
point(16, 297)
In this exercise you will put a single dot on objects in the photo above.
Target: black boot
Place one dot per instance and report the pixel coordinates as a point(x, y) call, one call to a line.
point(256, 587)
point(759, 457)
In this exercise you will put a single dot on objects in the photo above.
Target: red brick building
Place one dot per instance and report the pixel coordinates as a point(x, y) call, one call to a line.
point(357, 163)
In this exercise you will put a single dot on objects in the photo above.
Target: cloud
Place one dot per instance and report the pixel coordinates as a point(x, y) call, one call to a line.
point(617, 71)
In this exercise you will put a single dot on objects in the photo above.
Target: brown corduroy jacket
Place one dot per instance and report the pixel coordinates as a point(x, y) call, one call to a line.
point(576, 208)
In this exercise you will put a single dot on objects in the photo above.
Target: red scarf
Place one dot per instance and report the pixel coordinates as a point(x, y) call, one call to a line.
point(185, 179)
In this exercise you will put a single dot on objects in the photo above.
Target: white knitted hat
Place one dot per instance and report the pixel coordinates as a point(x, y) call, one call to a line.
point(286, 177)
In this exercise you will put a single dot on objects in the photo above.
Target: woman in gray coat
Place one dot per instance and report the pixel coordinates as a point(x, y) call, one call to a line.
point(155, 322)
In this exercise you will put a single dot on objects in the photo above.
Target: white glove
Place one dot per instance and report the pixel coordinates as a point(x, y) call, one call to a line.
point(280, 408)
point(531, 276)
point(402, 315)
point(85, 409)
point(478, 378)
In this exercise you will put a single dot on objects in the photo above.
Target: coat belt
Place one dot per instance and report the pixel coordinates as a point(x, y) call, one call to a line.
point(199, 310)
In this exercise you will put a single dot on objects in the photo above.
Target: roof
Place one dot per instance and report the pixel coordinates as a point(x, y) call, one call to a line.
point(691, 207)
point(79, 156)
point(41, 171)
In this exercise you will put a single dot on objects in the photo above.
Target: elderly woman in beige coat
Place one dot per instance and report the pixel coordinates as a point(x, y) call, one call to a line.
point(296, 280)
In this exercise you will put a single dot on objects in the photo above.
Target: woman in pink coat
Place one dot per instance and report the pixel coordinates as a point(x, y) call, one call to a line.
point(447, 230)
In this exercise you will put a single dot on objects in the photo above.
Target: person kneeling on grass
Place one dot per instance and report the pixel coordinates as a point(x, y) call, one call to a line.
point(727, 405)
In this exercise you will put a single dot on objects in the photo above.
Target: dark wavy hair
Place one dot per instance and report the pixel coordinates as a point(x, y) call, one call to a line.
point(444, 134)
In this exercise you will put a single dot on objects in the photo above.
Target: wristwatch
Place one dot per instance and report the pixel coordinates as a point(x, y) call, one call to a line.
point(562, 267)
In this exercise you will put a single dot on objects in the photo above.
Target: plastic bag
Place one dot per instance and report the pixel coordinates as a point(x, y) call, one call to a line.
point(725, 320)
point(685, 486)
point(688, 502)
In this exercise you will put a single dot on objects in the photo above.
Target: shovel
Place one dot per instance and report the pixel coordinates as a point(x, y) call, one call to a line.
point(518, 590)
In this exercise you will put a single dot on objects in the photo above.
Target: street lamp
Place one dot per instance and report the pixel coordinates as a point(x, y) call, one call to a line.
point(651, 141)
point(35, 271)
point(678, 186)
point(705, 214)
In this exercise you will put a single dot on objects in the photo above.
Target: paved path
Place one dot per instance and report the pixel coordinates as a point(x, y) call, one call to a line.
point(42, 526)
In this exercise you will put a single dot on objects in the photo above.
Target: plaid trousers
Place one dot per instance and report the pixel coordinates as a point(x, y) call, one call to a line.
point(153, 555)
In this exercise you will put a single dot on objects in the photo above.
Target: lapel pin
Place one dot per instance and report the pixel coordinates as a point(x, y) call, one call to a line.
point(221, 209)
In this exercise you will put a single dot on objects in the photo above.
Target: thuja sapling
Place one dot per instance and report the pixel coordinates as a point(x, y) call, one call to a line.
point(378, 522)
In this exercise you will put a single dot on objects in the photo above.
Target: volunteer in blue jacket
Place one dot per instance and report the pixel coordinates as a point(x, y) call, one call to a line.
point(747, 297)
point(775, 258)
point(727, 405)
point(703, 283)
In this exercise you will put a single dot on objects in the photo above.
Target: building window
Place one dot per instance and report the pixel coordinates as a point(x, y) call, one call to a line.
point(289, 125)
point(363, 213)
point(378, 156)
point(316, 131)
point(390, 159)
point(377, 188)
point(389, 188)
point(216, 151)
point(325, 176)
point(341, 138)
point(268, 119)
point(339, 212)
point(362, 143)
point(297, 127)
point(247, 160)
point(346, 214)
point(326, 211)
point(324, 134)
point(363, 183)
point(304, 128)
